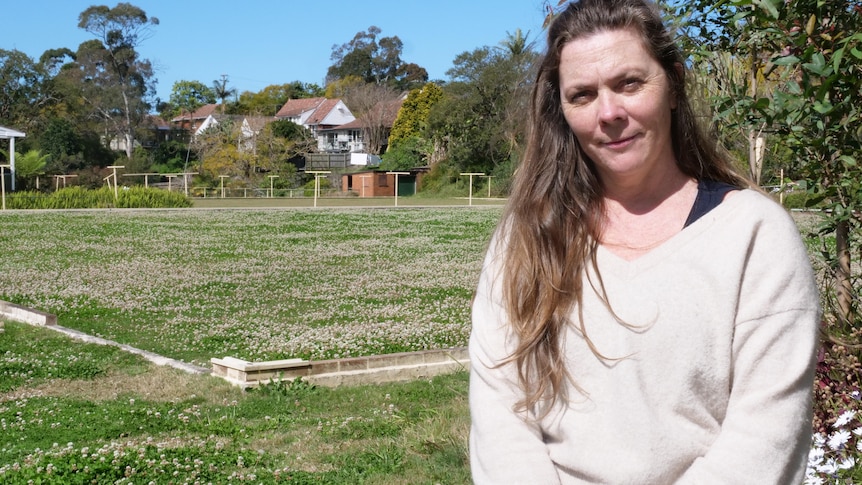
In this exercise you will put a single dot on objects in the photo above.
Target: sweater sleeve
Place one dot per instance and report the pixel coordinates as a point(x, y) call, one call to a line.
point(765, 436)
point(504, 446)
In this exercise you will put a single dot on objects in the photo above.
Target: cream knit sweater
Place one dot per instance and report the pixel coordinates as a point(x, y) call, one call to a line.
point(713, 378)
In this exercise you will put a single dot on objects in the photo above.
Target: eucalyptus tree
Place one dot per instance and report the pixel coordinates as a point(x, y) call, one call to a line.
point(376, 60)
point(21, 89)
point(114, 81)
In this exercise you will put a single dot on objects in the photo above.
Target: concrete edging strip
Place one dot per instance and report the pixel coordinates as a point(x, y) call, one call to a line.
point(18, 313)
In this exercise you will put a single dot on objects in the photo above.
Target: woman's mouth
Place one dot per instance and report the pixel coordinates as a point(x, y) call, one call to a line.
point(620, 143)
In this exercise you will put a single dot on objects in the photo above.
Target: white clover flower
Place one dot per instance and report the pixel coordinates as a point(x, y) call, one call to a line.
point(845, 418)
point(839, 439)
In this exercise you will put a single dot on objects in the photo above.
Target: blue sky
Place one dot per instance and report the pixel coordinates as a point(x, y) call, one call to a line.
point(261, 42)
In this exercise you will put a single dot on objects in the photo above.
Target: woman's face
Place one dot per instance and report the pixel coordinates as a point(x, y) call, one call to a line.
point(617, 100)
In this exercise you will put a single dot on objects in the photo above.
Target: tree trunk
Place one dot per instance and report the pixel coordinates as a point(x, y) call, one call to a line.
point(843, 284)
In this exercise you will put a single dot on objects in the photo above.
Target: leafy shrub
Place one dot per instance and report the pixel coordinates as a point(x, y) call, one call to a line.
point(80, 198)
point(796, 199)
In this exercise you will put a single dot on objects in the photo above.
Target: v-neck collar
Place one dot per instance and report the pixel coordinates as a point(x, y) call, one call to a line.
point(609, 261)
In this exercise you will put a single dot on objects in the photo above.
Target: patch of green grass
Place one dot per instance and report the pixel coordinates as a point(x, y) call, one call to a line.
point(31, 355)
point(199, 428)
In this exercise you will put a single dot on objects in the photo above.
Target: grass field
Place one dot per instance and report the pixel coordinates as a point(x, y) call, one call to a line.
point(253, 284)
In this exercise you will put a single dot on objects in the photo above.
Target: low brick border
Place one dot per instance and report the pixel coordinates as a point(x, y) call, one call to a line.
point(340, 372)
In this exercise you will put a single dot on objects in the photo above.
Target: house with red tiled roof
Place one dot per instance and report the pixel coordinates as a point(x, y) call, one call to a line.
point(318, 115)
point(193, 122)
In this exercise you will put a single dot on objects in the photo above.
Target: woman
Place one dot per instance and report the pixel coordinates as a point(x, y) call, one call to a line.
point(641, 316)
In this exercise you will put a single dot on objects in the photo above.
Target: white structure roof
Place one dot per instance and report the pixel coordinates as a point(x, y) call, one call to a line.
point(7, 133)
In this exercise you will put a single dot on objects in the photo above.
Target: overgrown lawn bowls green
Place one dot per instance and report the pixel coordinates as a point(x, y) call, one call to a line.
point(253, 284)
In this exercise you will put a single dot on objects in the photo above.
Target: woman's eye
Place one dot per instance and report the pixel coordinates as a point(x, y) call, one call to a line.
point(632, 83)
point(579, 97)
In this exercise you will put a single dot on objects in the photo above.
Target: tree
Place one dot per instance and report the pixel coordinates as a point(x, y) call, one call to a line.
point(221, 91)
point(219, 150)
point(28, 166)
point(298, 139)
point(479, 124)
point(376, 61)
point(409, 141)
point(412, 120)
point(114, 80)
point(21, 89)
point(813, 51)
point(188, 96)
point(375, 106)
point(270, 99)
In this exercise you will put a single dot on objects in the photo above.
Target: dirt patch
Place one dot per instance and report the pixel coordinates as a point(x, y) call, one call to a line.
point(158, 383)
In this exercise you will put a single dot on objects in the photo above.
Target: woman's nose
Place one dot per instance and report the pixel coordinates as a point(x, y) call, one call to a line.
point(610, 107)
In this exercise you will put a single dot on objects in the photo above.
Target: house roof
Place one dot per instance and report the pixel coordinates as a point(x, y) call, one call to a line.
point(156, 122)
point(295, 107)
point(199, 114)
point(322, 111)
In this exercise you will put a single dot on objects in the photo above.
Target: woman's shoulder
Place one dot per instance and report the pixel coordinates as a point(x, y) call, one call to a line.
point(756, 204)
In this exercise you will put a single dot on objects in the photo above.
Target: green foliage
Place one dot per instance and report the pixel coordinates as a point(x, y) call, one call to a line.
point(170, 156)
point(270, 99)
point(187, 96)
point(375, 61)
point(28, 166)
point(412, 120)
point(480, 122)
point(291, 389)
point(406, 154)
point(60, 139)
point(22, 88)
point(80, 198)
point(444, 179)
point(289, 130)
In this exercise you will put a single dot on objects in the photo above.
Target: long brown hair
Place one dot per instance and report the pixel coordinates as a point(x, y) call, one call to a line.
point(552, 223)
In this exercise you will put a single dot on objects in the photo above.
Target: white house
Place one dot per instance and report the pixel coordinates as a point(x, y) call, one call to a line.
point(320, 115)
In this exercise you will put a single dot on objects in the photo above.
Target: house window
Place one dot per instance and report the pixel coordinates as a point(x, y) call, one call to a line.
point(354, 135)
point(381, 180)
